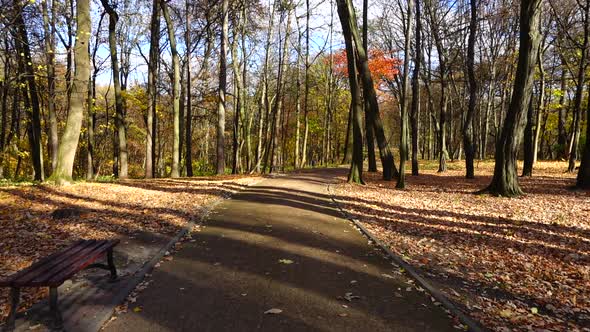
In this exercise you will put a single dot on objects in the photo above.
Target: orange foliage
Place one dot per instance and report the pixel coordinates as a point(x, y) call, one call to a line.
point(383, 67)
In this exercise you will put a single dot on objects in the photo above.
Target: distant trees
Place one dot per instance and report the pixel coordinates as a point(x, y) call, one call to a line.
point(430, 79)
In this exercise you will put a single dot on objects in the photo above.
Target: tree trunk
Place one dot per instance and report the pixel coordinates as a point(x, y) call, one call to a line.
point(540, 107)
point(189, 111)
point(473, 94)
point(387, 160)
point(583, 178)
point(415, 112)
point(403, 147)
point(175, 92)
point(355, 174)
point(369, 130)
point(581, 80)
point(222, 90)
point(152, 90)
point(505, 181)
point(527, 168)
point(26, 69)
point(49, 29)
point(561, 133)
point(119, 115)
point(306, 96)
point(69, 140)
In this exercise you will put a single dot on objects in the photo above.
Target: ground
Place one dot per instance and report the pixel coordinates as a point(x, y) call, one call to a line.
point(282, 245)
point(279, 256)
point(513, 263)
point(38, 220)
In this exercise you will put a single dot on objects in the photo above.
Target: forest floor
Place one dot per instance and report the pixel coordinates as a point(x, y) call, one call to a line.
point(38, 220)
point(514, 264)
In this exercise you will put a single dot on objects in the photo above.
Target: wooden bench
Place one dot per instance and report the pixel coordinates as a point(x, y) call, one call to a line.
point(55, 269)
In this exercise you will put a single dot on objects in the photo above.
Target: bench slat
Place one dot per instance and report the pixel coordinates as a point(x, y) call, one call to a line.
point(80, 264)
point(40, 263)
point(37, 270)
point(43, 279)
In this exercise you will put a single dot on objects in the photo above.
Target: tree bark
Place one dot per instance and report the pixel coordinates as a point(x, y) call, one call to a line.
point(49, 29)
point(119, 115)
point(505, 180)
point(189, 112)
point(154, 59)
point(222, 90)
point(175, 92)
point(403, 147)
point(355, 174)
point(527, 168)
point(69, 140)
point(346, 8)
point(369, 130)
point(415, 111)
point(580, 82)
point(473, 94)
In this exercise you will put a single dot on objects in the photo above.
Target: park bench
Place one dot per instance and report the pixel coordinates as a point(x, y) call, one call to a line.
point(55, 269)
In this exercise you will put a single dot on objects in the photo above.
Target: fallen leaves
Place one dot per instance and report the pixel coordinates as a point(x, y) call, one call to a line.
point(39, 220)
point(517, 263)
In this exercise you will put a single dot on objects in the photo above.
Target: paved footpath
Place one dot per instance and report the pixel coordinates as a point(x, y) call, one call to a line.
point(280, 244)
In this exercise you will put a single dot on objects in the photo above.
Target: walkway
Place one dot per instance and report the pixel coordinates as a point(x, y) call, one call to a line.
point(280, 245)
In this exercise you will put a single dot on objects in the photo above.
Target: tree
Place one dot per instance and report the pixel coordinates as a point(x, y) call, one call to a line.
point(505, 180)
point(222, 90)
point(189, 110)
point(119, 114)
point(29, 91)
point(175, 91)
point(415, 112)
point(346, 14)
point(473, 93)
point(154, 58)
point(49, 18)
point(405, 93)
point(69, 140)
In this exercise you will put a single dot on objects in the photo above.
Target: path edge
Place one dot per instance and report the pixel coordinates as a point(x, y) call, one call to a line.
point(472, 324)
point(139, 275)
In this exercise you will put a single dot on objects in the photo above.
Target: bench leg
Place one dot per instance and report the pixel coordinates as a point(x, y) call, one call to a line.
point(111, 263)
point(14, 301)
point(57, 323)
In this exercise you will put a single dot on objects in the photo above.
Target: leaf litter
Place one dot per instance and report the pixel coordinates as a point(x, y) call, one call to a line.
point(515, 264)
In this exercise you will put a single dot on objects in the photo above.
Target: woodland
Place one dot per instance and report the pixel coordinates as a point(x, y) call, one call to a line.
point(421, 100)
point(94, 91)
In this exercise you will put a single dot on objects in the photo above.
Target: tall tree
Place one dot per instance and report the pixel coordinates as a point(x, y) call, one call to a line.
point(175, 91)
point(49, 21)
point(387, 160)
point(222, 89)
point(29, 91)
point(405, 93)
point(468, 143)
point(369, 130)
point(188, 155)
point(154, 59)
point(119, 114)
point(505, 180)
point(347, 21)
point(69, 140)
point(415, 112)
